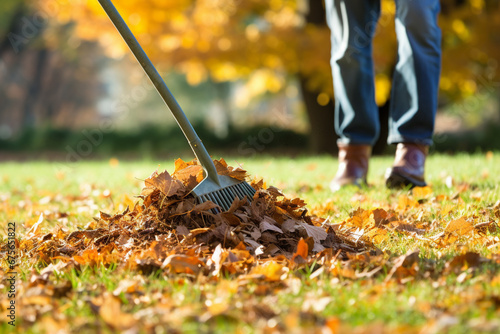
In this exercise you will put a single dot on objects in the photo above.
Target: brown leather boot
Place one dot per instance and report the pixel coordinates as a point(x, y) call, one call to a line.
point(408, 167)
point(353, 166)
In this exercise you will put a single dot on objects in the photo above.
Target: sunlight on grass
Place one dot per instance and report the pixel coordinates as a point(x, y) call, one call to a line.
point(452, 285)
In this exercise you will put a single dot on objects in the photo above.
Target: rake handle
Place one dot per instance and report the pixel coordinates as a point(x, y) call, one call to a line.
point(194, 141)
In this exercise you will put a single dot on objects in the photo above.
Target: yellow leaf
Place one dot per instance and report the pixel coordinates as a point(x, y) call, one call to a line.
point(273, 271)
point(422, 192)
point(406, 202)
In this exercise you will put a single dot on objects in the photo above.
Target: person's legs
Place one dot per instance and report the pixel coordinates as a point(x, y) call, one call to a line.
point(415, 89)
point(352, 24)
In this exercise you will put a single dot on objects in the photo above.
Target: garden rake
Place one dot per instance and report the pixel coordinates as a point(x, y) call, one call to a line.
point(220, 189)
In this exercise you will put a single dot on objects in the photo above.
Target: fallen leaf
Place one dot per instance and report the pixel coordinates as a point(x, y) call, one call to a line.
point(459, 227)
point(36, 229)
point(316, 232)
point(271, 270)
point(269, 224)
point(289, 225)
point(110, 311)
point(302, 251)
point(165, 183)
point(181, 263)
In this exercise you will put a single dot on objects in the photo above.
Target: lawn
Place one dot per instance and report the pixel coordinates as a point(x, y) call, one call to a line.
point(431, 259)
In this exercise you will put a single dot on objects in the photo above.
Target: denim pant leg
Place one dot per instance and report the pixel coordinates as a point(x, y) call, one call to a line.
point(352, 24)
point(416, 78)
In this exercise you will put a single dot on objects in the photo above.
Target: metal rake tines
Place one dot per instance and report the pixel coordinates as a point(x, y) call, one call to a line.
point(224, 197)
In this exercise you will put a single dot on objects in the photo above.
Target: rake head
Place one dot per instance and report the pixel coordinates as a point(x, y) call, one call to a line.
point(222, 191)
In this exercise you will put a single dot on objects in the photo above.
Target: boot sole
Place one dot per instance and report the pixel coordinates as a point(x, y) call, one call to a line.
point(397, 181)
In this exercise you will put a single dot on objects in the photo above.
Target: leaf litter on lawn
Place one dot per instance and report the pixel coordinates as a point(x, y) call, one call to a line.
point(168, 229)
point(259, 243)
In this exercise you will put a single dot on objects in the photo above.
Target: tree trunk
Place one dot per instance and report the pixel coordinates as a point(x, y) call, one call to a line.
point(321, 120)
point(34, 89)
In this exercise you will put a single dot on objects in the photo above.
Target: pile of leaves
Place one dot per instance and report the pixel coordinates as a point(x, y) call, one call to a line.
point(169, 229)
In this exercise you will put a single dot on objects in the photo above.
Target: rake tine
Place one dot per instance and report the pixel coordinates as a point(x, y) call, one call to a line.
point(227, 199)
point(240, 193)
point(249, 191)
point(227, 196)
point(218, 199)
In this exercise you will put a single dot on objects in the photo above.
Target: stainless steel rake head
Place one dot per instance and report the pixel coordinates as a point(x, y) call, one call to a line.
point(220, 189)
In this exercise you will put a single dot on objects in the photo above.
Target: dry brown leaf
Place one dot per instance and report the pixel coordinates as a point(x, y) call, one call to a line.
point(182, 230)
point(317, 233)
point(205, 207)
point(464, 261)
point(405, 227)
point(223, 169)
point(289, 225)
point(269, 224)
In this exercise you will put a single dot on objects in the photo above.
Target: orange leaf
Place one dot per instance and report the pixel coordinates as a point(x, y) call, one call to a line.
point(191, 175)
point(459, 226)
point(406, 202)
point(180, 164)
point(165, 183)
point(302, 250)
point(181, 263)
point(112, 315)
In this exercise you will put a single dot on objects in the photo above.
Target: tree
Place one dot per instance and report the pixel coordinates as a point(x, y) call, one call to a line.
point(42, 78)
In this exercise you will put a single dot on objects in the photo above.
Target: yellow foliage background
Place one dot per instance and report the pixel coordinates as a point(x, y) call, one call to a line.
point(264, 41)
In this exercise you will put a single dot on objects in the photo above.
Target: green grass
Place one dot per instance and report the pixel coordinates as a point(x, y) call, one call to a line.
point(469, 184)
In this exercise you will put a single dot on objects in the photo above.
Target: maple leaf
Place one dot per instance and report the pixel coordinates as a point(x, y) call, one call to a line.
point(166, 184)
point(190, 175)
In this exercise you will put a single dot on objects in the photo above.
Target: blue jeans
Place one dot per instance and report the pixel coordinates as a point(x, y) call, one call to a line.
point(416, 78)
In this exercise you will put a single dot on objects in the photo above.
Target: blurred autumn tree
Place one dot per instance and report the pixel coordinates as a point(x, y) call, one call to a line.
point(265, 43)
point(43, 77)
